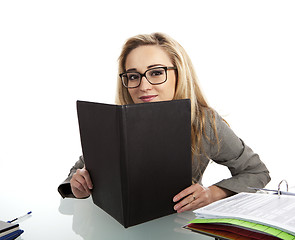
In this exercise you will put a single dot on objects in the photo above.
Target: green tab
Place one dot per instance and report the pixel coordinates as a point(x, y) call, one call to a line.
point(248, 224)
point(286, 236)
point(273, 231)
point(260, 227)
point(212, 220)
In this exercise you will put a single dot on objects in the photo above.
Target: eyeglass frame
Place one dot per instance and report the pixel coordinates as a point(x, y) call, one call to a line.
point(144, 75)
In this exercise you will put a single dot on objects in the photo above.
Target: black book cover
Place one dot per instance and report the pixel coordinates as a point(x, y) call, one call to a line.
point(138, 156)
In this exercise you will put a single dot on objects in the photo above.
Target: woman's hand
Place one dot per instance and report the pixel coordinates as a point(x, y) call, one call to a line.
point(81, 184)
point(197, 196)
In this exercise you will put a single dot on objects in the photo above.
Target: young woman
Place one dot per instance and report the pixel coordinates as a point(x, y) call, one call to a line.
point(156, 68)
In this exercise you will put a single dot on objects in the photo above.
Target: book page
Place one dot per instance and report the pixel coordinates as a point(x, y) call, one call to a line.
point(278, 212)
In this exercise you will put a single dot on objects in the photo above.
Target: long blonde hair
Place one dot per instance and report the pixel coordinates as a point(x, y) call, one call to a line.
point(187, 83)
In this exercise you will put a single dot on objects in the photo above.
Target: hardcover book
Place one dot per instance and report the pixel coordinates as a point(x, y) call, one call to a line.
point(138, 156)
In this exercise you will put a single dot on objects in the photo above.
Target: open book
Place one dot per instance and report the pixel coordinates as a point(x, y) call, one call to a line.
point(138, 156)
point(248, 215)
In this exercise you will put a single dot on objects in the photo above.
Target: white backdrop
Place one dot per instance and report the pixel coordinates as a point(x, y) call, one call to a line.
point(55, 52)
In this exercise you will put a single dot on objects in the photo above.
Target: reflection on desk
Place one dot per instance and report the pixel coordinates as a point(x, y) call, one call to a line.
point(91, 222)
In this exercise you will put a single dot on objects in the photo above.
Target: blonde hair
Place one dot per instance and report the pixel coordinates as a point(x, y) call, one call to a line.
point(187, 83)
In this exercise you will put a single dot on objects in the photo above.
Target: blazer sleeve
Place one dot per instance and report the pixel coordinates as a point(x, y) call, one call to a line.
point(246, 168)
point(65, 188)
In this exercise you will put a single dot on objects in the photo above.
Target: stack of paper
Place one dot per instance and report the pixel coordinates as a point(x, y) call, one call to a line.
point(254, 216)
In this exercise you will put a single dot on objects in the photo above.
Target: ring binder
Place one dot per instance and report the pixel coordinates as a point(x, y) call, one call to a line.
point(279, 187)
point(258, 213)
point(278, 191)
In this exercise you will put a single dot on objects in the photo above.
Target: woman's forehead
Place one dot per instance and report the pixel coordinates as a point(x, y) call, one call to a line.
point(142, 57)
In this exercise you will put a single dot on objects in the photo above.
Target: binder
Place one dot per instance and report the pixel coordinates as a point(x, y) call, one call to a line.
point(263, 216)
point(138, 156)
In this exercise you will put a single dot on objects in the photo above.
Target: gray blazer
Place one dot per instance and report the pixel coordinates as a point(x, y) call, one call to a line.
point(246, 168)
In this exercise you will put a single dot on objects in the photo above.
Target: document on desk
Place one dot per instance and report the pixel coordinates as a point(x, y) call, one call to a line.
point(270, 210)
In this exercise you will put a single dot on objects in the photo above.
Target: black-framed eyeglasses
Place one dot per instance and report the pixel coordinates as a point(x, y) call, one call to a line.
point(155, 76)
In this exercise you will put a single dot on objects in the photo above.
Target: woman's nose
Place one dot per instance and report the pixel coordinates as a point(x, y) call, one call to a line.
point(145, 84)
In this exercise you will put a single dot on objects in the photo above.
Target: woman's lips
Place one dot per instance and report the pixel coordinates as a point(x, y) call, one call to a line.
point(147, 98)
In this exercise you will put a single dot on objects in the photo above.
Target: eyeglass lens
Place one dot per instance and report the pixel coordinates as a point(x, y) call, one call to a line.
point(154, 76)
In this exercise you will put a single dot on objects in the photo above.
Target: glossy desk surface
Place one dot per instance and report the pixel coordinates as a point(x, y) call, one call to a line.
point(72, 219)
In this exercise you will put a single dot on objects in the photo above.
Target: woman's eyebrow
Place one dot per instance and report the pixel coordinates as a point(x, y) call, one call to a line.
point(154, 65)
point(131, 69)
point(148, 67)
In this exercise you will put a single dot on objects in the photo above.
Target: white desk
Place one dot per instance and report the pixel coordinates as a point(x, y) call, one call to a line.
point(73, 219)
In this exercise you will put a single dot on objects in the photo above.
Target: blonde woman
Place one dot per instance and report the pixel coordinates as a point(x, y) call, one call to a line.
point(154, 68)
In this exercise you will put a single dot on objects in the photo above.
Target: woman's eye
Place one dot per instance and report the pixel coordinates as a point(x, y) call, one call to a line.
point(133, 77)
point(156, 73)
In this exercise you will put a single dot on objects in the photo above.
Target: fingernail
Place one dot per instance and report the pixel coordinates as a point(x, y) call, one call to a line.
point(175, 199)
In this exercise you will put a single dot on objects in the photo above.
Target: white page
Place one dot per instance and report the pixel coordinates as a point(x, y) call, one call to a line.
point(267, 209)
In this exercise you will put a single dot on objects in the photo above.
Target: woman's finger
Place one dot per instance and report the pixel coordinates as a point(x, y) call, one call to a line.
point(79, 185)
point(84, 178)
point(197, 203)
point(78, 182)
point(189, 190)
point(87, 178)
point(197, 199)
point(185, 202)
